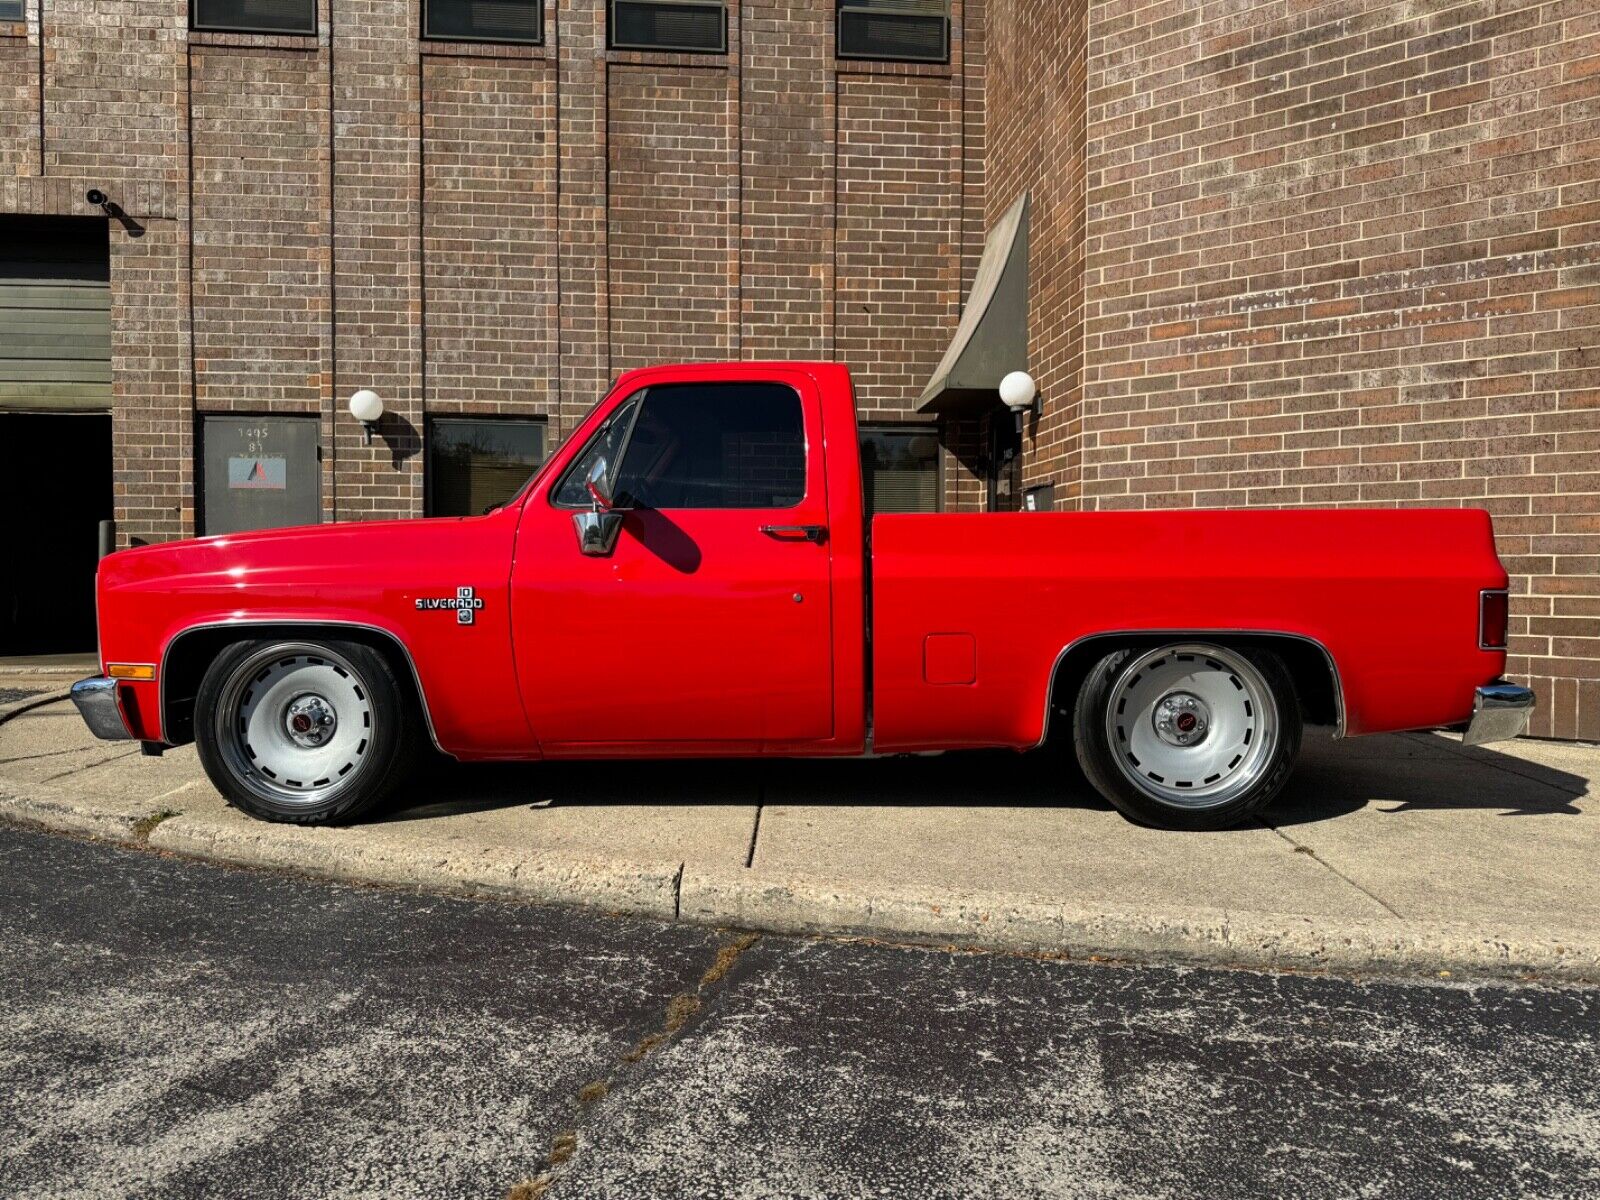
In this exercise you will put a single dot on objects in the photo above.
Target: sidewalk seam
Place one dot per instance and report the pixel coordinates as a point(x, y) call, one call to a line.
point(1310, 851)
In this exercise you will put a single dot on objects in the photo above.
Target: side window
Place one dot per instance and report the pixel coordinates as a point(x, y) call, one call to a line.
point(716, 445)
point(603, 446)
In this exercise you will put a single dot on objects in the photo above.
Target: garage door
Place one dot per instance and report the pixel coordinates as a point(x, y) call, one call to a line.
point(55, 314)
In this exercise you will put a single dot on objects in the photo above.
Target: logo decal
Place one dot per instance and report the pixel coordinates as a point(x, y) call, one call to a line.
point(464, 603)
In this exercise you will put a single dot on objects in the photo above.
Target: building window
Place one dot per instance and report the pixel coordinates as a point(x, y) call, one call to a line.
point(484, 20)
point(11, 10)
point(700, 445)
point(901, 469)
point(254, 16)
point(895, 30)
point(699, 26)
point(478, 463)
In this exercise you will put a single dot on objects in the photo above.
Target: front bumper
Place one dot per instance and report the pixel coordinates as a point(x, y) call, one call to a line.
point(1500, 712)
point(96, 698)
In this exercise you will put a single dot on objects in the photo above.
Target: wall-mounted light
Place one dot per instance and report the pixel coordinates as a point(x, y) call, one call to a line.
point(1017, 391)
point(366, 406)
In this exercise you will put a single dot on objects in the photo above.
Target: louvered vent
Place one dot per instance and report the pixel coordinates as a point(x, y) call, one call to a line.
point(485, 20)
point(694, 25)
point(255, 16)
point(898, 30)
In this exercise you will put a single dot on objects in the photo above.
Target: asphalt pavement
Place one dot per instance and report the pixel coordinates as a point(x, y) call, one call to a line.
point(173, 1028)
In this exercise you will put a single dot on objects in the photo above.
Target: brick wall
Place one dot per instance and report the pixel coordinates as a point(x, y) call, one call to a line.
point(1348, 253)
point(476, 228)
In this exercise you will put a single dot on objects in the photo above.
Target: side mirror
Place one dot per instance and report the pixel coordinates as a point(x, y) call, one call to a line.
point(595, 484)
point(597, 531)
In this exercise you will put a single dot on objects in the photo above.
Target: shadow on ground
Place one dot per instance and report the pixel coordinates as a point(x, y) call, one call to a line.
point(1394, 774)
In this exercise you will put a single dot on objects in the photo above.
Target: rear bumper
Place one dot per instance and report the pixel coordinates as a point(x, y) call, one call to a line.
point(96, 698)
point(1500, 712)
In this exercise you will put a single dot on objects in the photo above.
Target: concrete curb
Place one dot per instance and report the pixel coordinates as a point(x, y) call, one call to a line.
point(639, 889)
point(807, 905)
point(1196, 937)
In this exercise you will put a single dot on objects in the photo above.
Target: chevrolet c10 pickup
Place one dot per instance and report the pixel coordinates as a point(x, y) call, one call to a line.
point(692, 574)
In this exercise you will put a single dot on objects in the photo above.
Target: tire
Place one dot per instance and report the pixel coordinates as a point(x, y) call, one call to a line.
point(306, 732)
point(1188, 735)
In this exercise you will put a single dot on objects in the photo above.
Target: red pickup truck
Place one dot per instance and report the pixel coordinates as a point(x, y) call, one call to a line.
point(692, 574)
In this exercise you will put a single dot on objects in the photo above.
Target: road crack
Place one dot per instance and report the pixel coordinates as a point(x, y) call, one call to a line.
point(680, 1011)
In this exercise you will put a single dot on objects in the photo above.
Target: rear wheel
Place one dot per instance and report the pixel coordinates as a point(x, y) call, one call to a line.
point(305, 732)
point(1189, 735)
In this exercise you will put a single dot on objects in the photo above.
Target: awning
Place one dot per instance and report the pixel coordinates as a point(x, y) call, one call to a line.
point(992, 337)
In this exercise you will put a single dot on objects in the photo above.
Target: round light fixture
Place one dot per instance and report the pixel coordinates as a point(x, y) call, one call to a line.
point(366, 406)
point(1017, 390)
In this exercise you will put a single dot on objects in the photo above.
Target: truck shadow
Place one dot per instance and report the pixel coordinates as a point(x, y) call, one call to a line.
point(1393, 774)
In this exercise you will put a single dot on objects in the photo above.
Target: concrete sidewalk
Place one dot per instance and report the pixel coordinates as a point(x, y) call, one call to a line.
point(1396, 854)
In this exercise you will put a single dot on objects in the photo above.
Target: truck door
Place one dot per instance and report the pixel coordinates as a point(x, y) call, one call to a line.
point(708, 618)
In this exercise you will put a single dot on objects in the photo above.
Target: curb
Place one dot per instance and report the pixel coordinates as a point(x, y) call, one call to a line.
point(753, 899)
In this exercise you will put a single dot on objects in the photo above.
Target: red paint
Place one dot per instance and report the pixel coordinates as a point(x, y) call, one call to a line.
point(689, 639)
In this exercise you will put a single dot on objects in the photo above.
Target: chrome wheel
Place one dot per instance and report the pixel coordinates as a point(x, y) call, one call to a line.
point(295, 724)
point(1192, 726)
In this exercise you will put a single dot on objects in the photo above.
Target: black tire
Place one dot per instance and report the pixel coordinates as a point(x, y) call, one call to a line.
point(254, 690)
point(1104, 739)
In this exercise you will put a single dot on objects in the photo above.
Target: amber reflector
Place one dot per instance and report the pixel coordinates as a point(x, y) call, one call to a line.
point(1494, 614)
point(144, 671)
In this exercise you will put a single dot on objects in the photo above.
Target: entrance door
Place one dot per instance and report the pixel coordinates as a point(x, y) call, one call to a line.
point(710, 620)
point(55, 480)
point(55, 428)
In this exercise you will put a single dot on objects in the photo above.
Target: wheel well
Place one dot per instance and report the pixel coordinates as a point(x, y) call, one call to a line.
point(1310, 667)
point(191, 653)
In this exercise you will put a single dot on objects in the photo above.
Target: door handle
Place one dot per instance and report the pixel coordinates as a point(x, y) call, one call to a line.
point(797, 533)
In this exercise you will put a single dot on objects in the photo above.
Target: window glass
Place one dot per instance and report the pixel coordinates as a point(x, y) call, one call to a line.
point(11, 10)
point(603, 447)
point(694, 25)
point(484, 20)
point(900, 470)
point(255, 16)
point(477, 464)
point(894, 30)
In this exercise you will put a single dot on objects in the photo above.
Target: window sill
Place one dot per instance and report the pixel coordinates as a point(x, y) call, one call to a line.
point(878, 66)
point(446, 48)
point(258, 41)
point(669, 58)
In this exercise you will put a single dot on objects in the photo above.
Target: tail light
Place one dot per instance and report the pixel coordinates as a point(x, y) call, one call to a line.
point(1494, 615)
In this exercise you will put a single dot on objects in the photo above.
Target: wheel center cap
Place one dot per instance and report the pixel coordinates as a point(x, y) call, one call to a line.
point(309, 721)
point(1182, 719)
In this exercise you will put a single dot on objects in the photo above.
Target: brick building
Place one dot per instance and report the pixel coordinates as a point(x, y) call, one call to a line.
point(1280, 252)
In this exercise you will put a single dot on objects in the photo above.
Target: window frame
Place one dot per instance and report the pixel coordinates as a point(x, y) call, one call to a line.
point(537, 40)
point(637, 48)
point(197, 27)
point(842, 6)
point(908, 429)
point(428, 472)
point(642, 395)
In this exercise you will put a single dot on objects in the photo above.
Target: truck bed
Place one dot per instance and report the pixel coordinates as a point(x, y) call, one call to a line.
point(972, 613)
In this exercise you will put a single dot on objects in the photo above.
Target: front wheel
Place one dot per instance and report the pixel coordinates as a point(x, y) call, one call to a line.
point(1189, 735)
point(305, 732)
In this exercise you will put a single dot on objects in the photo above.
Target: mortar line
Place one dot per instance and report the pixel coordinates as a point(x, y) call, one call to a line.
point(1317, 858)
point(1460, 751)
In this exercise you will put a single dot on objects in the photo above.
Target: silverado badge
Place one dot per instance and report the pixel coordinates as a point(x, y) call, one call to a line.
point(464, 602)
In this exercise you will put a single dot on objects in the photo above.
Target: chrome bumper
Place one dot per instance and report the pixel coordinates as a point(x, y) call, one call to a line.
point(96, 698)
point(1500, 712)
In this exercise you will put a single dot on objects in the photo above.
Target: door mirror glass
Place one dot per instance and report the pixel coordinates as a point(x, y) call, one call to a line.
point(596, 484)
